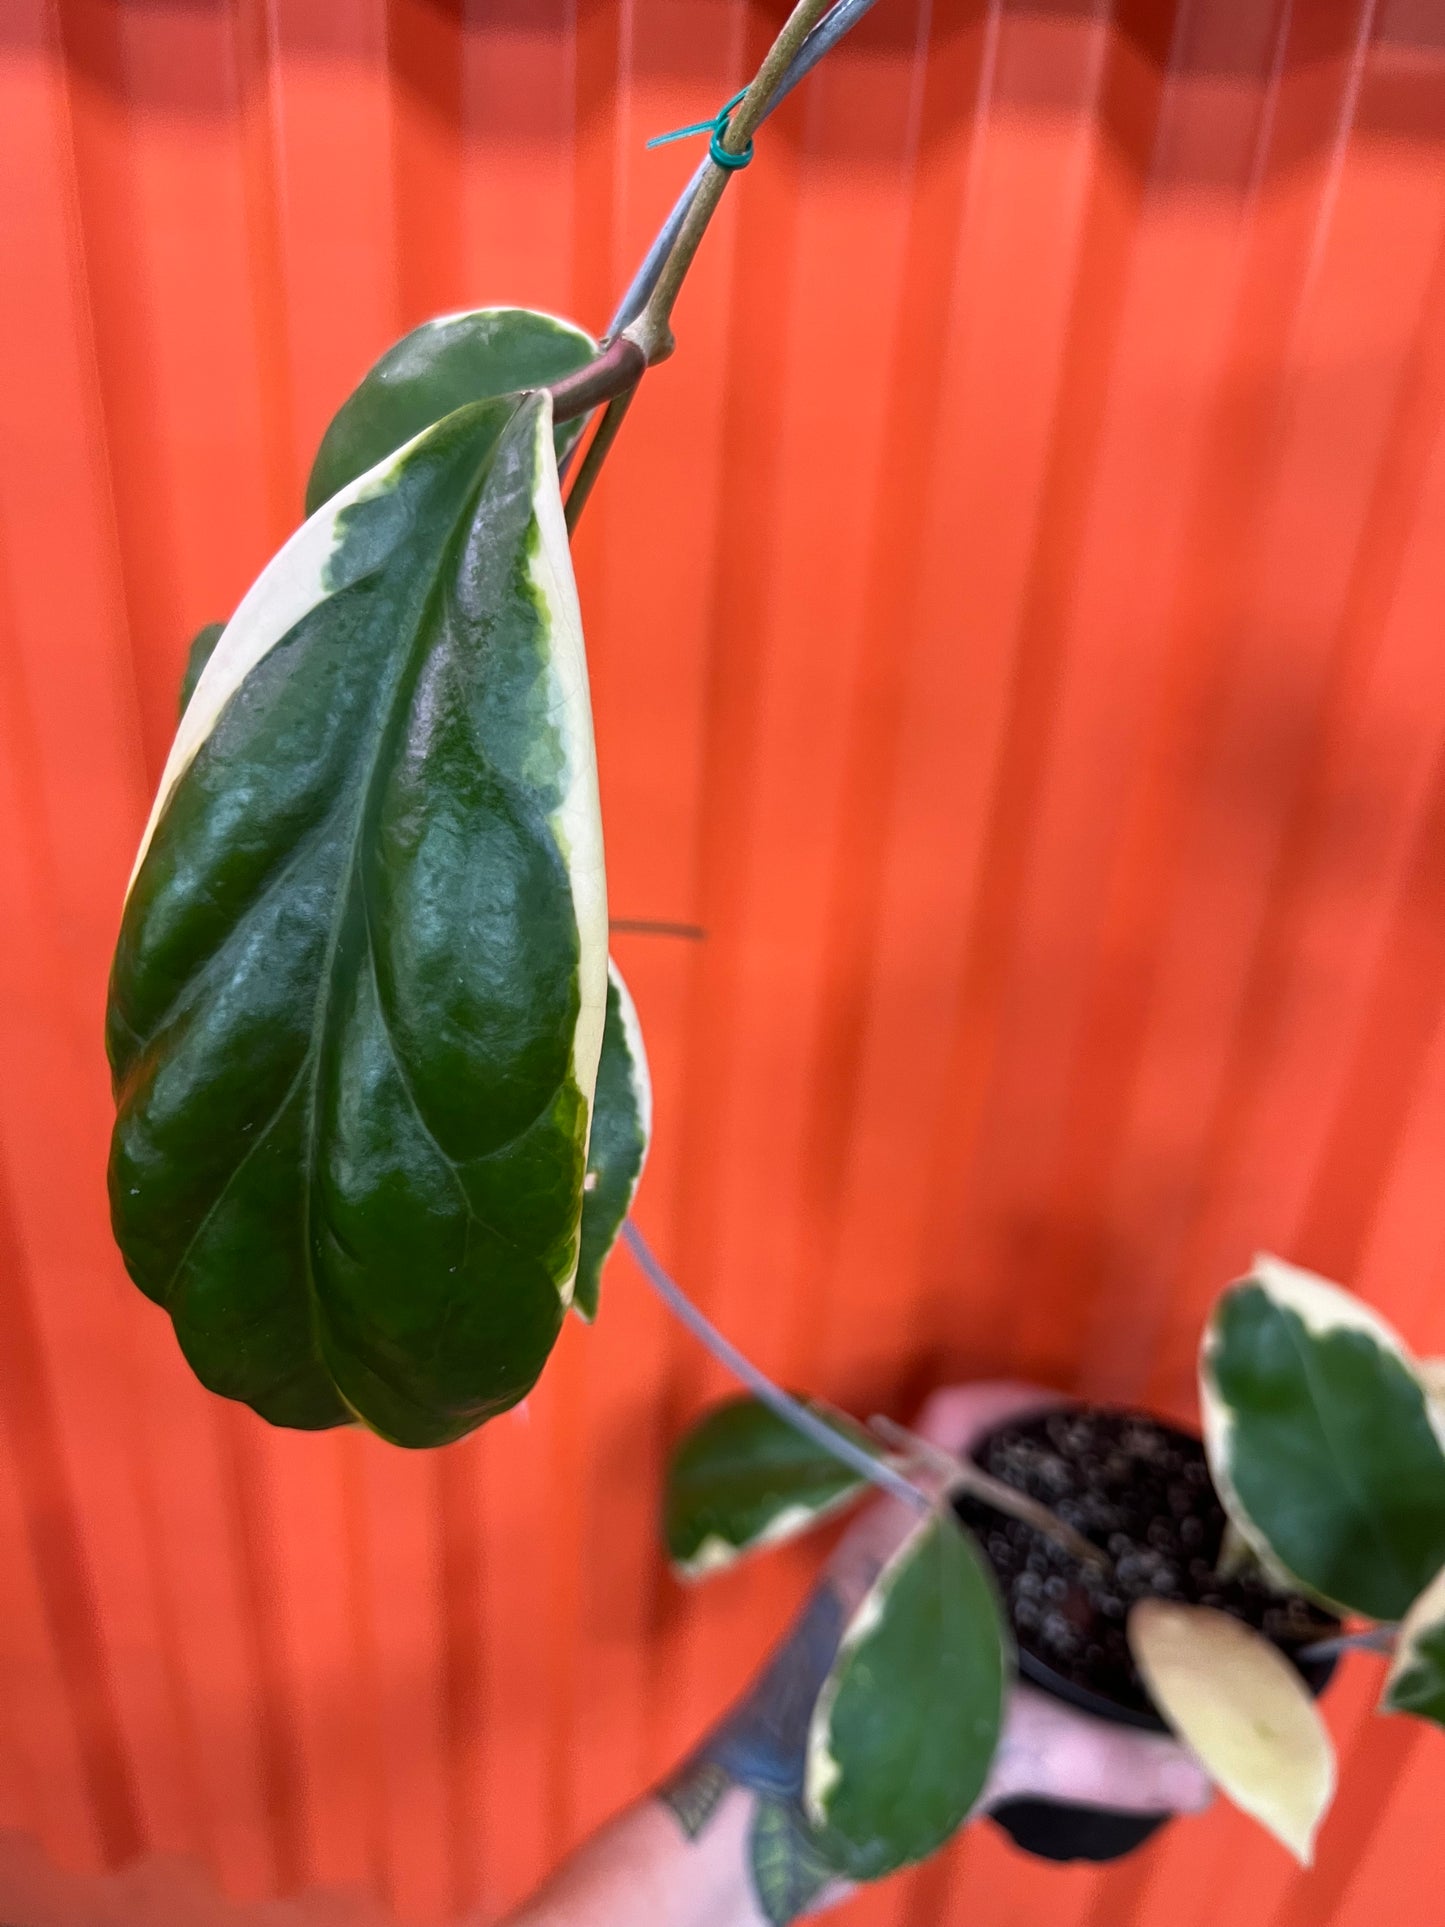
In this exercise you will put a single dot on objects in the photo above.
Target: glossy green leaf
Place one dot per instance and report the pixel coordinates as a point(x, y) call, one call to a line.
point(357, 1003)
point(203, 647)
point(743, 1479)
point(906, 1725)
point(1416, 1682)
point(617, 1149)
point(442, 365)
point(1325, 1449)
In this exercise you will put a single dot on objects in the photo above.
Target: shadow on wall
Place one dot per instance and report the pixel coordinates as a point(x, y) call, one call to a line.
point(162, 55)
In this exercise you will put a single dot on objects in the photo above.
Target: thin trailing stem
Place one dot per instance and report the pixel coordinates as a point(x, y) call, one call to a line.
point(657, 927)
point(847, 1450)
point(596, 455)
point(962, 1475)
point(1374, 1639)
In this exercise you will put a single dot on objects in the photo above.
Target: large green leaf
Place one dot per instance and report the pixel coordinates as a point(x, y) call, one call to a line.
point(439, 366)
point(743, 1478)
point(621, 1129)
point(907, 1722)
point(1323, 1444)
point(358, 998)
point(1417, 1672)
point(203, 647)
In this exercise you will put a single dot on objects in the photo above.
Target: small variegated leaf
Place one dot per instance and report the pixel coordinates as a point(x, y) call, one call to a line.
point(1416, 1681)
point(357, 1003)
point(1243, 1711)
point(1432, 1377)
point(906, 1725)
point(743, 1478)
point(442, 365)
point(617, 1148)
point(788, 1866)
point(203, 647)
point(1327, 1453)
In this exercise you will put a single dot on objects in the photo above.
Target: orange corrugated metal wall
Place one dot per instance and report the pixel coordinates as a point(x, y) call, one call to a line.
point(1017, 618)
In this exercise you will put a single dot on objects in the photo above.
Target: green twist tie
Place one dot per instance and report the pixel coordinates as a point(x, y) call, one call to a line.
point(719, 155)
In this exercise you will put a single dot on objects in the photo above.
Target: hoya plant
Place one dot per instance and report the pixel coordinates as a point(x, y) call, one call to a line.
point(382, 1099)
point(1325, 1445)
point(382, 1096)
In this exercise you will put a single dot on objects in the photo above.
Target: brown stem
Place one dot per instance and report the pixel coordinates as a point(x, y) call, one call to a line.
point(962, 1475)
point(652, 327)
point(597, 454)
point(617, 369)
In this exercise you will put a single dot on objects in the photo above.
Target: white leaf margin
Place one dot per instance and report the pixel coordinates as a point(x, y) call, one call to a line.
point(822, 1772)
point(1322, 1307)
point(792, 1520)
point(309, 569)
point(1425, 1615)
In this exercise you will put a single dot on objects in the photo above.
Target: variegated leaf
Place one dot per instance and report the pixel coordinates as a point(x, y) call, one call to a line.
point(1416, 1681)
point(444, 364)
point(1243, 1711)
point(358, 999)
point(617, 1149)
point(743, 1478)
point(203, 647)
point(1325, 1449)
point(906, 1725)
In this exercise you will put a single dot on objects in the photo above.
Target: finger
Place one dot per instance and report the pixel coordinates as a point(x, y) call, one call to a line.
point(1051, 1752)
point(1143, 1774)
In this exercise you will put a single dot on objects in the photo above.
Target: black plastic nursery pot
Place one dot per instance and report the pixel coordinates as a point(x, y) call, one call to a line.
point(1140, 1490)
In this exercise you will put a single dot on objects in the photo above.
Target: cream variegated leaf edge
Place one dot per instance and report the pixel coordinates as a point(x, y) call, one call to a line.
point(620, 1136)
point(1244, 1712)
point(821, 1771)
point(1416, 1679)
point(905, 1728)
point(792, 1521)
point(578, 822)
point(314, 565)
point(1322, 1306)
point(637, 1053)
point(743, 1479)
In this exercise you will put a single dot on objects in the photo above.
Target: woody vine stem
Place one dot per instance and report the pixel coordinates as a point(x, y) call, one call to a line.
point(638, 341)
point(639, 337)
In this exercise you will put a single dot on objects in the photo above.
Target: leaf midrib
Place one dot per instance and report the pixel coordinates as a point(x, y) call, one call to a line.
point(320, 1027)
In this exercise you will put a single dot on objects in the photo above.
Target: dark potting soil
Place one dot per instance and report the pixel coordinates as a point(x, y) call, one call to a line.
point(1141, 1491)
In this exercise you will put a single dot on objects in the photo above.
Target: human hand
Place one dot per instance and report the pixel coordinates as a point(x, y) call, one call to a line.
point(1048, 1750)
